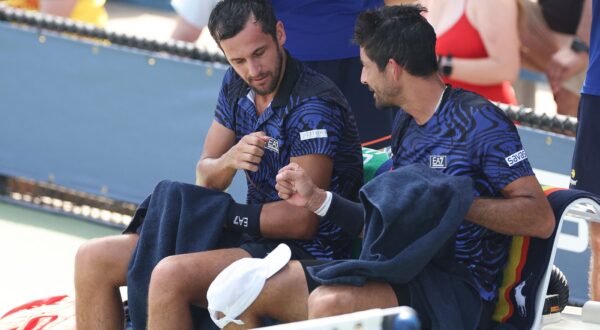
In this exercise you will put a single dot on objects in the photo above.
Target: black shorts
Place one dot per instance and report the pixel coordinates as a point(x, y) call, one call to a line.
point(259, 248)
point(403, 297)
point(586, 157)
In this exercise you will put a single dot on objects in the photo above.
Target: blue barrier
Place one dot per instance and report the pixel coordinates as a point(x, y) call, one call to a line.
point(102, 119)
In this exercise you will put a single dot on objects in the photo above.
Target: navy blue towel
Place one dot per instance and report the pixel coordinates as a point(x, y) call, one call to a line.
point(176, 218)
point(411, 218)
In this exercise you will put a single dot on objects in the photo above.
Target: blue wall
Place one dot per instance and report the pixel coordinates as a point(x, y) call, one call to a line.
point(102, 119)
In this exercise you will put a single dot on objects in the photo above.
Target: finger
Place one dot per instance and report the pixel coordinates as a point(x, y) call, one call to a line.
point(288, 167)
point(290, 176)
point(250, 158)
point(254, 140)
point(556, 82)
point(294, 167)
point(284, 196)
point(251, 150)
point(285, 191)
point(247, 166)
point(284, 186)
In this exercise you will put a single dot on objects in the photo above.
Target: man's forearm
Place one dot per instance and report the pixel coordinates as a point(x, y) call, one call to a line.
point(514, 216)
point(283, 220)
point(585, 22)
point(213, 173)
point(347, 214)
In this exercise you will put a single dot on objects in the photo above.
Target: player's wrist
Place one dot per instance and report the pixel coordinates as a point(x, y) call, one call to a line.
point(316, 199)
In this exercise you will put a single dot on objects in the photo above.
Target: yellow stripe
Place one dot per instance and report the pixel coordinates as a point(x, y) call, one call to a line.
point(508, 278)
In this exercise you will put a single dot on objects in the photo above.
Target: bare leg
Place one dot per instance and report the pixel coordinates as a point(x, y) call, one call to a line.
point(330, 300)
point(284, 297)
point(567, 102)
point(100, 269)
point(58, 7)
point(185, 31)
point(595, 262)
point(181, 280)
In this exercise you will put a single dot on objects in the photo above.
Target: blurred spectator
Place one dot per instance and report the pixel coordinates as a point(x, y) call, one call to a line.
point(193, 17)
point(89, 11)
point(586, 158)
point(554, 40)
point(472, 52)
point(319, 34)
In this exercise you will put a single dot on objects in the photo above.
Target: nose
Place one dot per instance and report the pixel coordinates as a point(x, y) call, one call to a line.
point(253, 68)
point(363, 77)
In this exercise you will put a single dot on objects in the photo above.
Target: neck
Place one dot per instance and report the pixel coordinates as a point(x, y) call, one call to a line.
point(262, 101)
point(421, 97)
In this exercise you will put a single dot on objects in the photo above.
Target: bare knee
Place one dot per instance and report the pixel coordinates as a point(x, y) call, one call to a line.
point(167, 282)
point(328, 301)
point(91, 258)
point(104, 259)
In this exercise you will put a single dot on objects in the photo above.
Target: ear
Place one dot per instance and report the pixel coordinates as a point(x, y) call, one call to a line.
point(395, 70)
point(281, 37)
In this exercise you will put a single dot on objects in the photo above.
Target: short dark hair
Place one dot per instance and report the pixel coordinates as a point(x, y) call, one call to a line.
point(401, 33)
point(229, 17)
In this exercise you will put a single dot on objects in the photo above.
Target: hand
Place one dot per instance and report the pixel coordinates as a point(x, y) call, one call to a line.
point(297, 188)
point(247, 153)
point(563, 65)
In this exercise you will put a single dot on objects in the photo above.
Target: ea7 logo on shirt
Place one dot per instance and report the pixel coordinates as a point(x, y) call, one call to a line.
point(272, 145)
point(516, 158)
point(240, 221)
point(437, 161)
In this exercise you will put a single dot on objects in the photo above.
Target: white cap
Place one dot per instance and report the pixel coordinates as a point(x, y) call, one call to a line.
point(238, 285)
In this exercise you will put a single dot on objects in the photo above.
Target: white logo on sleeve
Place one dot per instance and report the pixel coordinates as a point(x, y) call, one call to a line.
point(240, 221)
point(516, 158)
point(314, 134)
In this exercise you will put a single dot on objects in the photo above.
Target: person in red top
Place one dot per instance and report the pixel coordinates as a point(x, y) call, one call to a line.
point(478, 45)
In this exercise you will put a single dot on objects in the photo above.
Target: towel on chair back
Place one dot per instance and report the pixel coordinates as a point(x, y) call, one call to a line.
point(411, 218)
point(176, 218)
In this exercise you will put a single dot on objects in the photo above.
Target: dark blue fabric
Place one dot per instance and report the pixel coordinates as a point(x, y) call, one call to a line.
point(321, 30)
point(586, 155)
point(177, 218)
point(592, 77)
point(348, 215)
point(411, 217)
point(468, 136)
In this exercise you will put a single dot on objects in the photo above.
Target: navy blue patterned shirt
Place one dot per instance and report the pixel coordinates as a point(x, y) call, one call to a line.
point(308, 116)
point(468, 135)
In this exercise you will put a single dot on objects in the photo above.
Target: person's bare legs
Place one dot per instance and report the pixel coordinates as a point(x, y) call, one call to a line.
point(595, 261)
point(284, 297)
point(567, 102)
point(330, 300)
point(57, 7)
point(100, 269)
point(181, 280)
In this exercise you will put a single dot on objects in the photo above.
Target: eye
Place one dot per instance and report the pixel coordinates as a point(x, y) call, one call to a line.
point(259, 52)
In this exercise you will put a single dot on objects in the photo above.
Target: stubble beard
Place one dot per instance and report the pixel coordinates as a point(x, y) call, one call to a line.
point(275, 75)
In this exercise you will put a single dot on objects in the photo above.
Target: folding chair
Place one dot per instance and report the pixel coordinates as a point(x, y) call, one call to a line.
point(526, 276)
